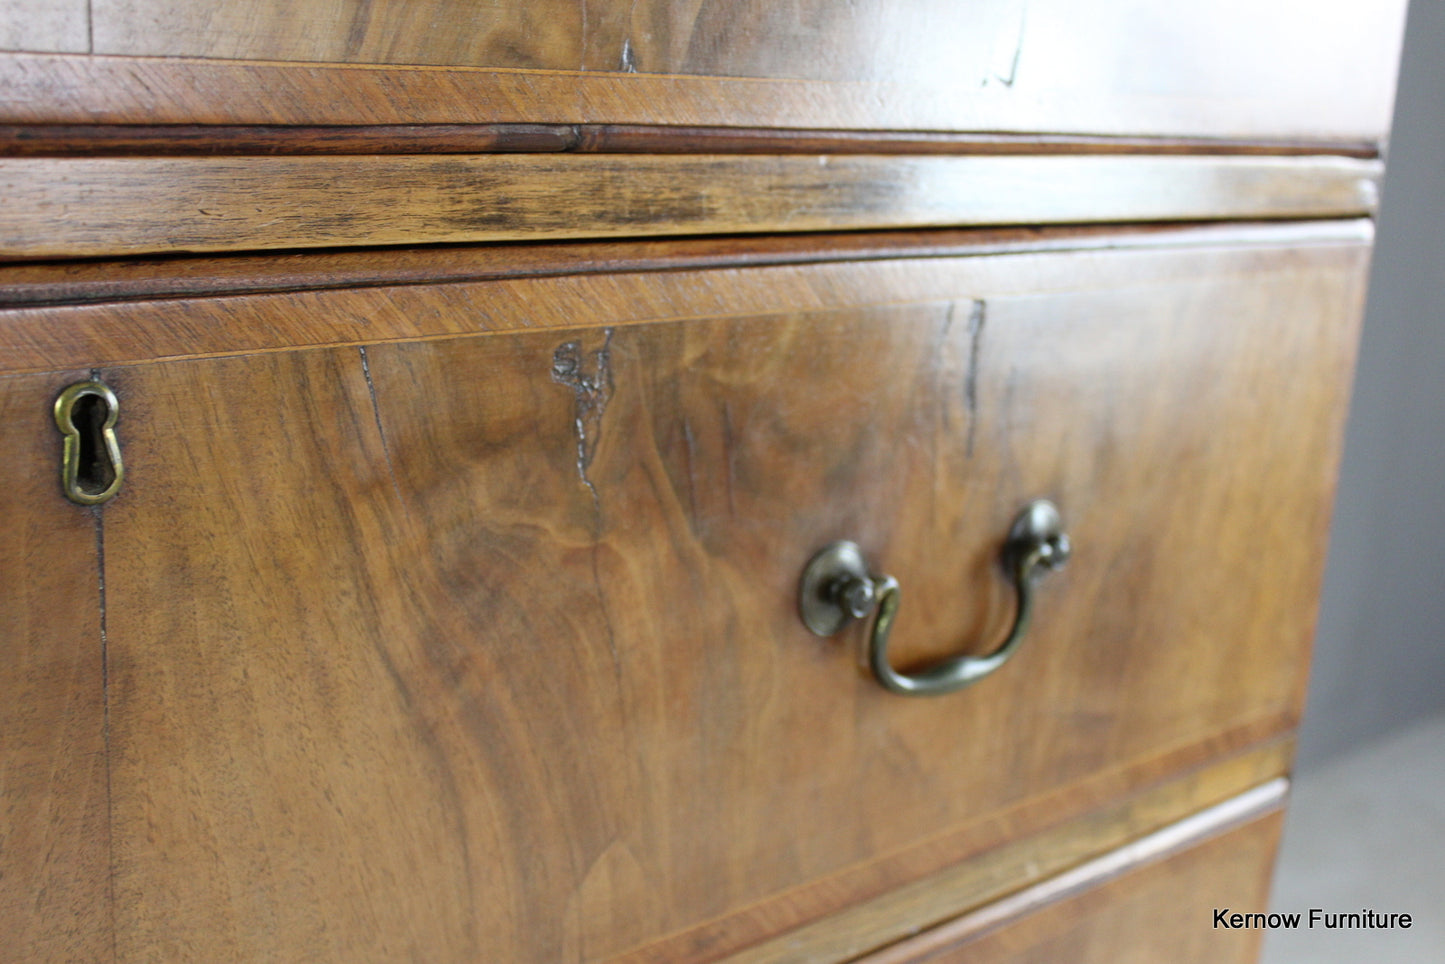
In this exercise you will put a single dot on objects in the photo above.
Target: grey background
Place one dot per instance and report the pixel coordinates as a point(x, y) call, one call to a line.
point(1380, 651)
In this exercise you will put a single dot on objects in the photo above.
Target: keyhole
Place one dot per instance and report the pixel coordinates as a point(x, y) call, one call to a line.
point(93, 471)
point(91, 468)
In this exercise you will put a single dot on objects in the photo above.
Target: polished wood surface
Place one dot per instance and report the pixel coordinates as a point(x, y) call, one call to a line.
point(1223, 67)
point(1028, 860)
point(1157, 910)
point(487, 645)
point(119, 140)
point(54, 843)
point(795, 39)
point(52, 283)
point(401, 307)
point(116, 206)
point(983, 43)
point(878, 908)
point(490, 371)
point(644, 139)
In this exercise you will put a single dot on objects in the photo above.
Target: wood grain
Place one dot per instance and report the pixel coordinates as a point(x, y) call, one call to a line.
point(523, 680)
point(40, 339)
point(62, 26)
point(50, 283)
point(60, 208)
point(1028, 860)
point(54, 843)
point(983, 43)
point(881, 908)
point(119, 140)
point(645, 139)
point(1259, 61)
point(1159, 910)
point(537, 33)
point(1318, 102)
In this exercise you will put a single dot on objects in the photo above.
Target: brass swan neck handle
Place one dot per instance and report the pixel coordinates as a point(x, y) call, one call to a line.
point(837, 588)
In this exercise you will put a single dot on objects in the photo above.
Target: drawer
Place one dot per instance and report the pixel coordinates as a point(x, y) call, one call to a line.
point(1225, 68)
point(1153, 901)
point(53, 820)
point(461, 621)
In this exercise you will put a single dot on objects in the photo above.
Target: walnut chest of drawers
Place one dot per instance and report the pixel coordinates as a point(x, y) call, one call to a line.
point(420, 422)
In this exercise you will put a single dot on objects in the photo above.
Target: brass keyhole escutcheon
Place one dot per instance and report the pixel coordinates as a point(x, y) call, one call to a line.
point(90, 465)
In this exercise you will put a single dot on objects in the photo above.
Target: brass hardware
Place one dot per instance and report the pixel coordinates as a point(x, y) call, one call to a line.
point(837, 588)
point(90, 467)
point(828, 596)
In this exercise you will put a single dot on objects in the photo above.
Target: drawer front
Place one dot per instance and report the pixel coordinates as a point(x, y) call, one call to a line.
point(487, 647)
point(1159, 910)
point(53, 859)
point(1224, 68)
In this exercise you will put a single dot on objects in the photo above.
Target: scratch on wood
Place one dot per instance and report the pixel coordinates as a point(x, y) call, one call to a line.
point(976, 319)
point(590, 379)
point(1013, 70)
point(628, 60)
point(939, 347)
point(380, 430)
point(582, 36)
point(591, 390)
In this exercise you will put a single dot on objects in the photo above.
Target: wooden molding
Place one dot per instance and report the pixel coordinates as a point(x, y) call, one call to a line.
point(1260, 801)
point(34, 284)
point(39, 338)
point(1149, 826)
point(100, 207)
point(120, 140)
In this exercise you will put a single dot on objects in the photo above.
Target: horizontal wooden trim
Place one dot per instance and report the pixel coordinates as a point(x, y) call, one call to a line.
point(180, 140)
point(98, 207)
point(133, 332)
point(643, 139)
point(80, 89)
point(1086, 850)
point(1222, 817)
point(185, 140)
point(80, 282)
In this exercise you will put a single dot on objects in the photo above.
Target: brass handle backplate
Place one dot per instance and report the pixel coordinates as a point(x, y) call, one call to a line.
point(837, 588)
